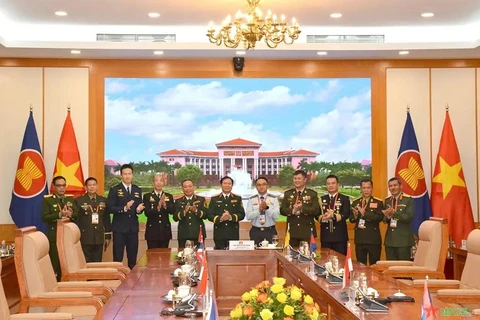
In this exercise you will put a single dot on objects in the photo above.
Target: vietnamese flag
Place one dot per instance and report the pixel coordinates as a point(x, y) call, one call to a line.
point(68, 162)
point(449, 192)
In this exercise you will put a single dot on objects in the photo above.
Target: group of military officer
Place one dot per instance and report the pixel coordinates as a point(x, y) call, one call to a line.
point(300, 205)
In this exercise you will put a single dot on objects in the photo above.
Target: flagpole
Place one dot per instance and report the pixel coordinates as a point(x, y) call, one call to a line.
point(408, 108)
point(447, 107)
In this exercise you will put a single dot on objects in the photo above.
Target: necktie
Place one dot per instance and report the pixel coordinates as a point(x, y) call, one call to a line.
point(226, 197)
point(128, 190)
point(262, 198)
point(93, 200)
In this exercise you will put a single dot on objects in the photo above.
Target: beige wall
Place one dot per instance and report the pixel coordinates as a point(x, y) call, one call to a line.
point(428, 91)
point(49, 90)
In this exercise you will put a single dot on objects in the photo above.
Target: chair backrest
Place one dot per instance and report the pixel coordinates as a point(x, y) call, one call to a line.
point(70, 251)
point(432, 244)
point(4, 310)
point(470, 271)
point(34, 269)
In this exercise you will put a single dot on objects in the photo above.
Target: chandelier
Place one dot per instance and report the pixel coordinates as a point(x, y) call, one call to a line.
point(252, 27)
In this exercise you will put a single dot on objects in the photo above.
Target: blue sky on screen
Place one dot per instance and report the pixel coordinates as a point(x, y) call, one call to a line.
point(147, 116)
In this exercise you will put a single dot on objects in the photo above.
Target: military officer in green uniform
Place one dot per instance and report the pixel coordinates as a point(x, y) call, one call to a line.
point(225, 211)
point(367, 213)
point(398, 215)
point(301, 207)
point(190, 211)
point(93, 222)
point(57, 206)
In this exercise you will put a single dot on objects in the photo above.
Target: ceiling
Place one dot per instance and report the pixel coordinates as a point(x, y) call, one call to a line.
point(31, 29)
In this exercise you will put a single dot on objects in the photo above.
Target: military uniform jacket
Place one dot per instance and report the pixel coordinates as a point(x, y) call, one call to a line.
point(300, 225)
point(271, 214)
point(226, 230)
point(402, 235)
point(370, 232)
point(189, 224)
point(93, 234)
point(335, 230)
point(51, 207)
point(158, 221)
point(124, 221)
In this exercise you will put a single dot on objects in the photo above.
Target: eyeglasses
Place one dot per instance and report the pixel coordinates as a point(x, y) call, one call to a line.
point(60, 185)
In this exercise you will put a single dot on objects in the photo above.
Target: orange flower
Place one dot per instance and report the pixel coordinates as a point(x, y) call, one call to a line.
point(248, 311)
point(263, 284)
point(287, 318)
point(308, 308)
point(262, 297)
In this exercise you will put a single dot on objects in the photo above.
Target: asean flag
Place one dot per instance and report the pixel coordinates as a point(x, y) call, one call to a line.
point(449, 192)
point(30, 184)
point(68, 162)
point(409, 170)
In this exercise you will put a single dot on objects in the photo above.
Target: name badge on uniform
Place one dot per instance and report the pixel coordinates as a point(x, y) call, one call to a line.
point(361, 224)
point(393, 223)
point(94, 218)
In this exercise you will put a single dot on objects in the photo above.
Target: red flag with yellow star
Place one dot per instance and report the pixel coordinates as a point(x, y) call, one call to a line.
point(449, 192)
point(68, 162)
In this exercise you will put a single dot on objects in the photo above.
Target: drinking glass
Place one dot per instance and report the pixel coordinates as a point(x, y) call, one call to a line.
point(275, 240)
point(189, 244)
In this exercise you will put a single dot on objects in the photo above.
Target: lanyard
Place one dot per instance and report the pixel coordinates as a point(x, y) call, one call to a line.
point(365, 203)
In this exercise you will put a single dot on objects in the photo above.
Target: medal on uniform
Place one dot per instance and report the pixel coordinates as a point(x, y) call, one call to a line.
point(361, 223)
point(393, 223)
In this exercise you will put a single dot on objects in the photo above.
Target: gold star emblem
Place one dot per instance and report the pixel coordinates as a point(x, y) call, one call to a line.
point(68, 172)
point(448, 176)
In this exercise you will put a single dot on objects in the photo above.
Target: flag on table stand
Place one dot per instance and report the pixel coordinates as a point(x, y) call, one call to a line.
point(428, 310)
point(287, 237)
point(313, 242)
point(410, 171)
point(203, 276)
point(200, 245)
point(68, 162)
point(348, 267)
point(449, 192)
point(30, 184)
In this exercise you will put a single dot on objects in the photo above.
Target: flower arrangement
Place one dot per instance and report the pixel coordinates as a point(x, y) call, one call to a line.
point(269, 301)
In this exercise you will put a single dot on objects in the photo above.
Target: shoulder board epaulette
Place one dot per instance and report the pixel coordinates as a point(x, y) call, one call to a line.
point(271, 195)
point(48, 196)
point(68, 195)
point(293, 190)
point(388, 197)
point(217, 195)
point(378, 199)
point(357, 198)
point(252, 197)
point(311, 190)
point(235, 195)
point(405, 195)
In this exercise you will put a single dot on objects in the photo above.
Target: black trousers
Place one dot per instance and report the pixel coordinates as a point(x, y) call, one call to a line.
point(53, 253)
point(122, 240)
point(260, 234)
point(221, 244)
point(370, 251)
point(340, 247)
point(295, 242)
point(152, 244)
point(92, 252)
point(399, 253)
point(181, 242)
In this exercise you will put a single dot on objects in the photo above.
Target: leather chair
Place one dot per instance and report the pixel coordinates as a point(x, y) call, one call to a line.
point(73, 264)
point(38, 284)
point(5, 312)
point(465, 292)
point(430, 255)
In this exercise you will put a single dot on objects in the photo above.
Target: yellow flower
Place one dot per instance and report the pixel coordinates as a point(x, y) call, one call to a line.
point(279, 281)
point(254, 293)
point(236, 313)
point(315, 315)
point(276, 288)
point(246, 296)
point(270, 300)
point(266, 314)
point(308, 299)
point(296, 293)
point(281, 297)
point(289, 310)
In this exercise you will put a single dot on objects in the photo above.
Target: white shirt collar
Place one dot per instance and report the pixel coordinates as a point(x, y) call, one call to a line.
point(125, 186)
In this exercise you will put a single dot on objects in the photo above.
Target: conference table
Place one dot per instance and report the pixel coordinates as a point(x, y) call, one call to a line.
point(231, 273)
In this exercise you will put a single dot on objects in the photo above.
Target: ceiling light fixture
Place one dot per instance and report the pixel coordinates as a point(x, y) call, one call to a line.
point(154, 14)
point(75, 52)
point(252, 27)
point(157, 53)
point(322, 53)
point(336, 15)
point(404, 52)
point(427, 14)
point(61, 13)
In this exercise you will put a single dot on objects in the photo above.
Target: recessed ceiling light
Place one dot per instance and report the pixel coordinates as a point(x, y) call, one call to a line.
point(154, 14)
point(75, 52)
point(240, 53)
point(336, 15)
point(322, 53)
point(427, 14)
point(61, 13)
point(403, 52)
point(158, 53)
